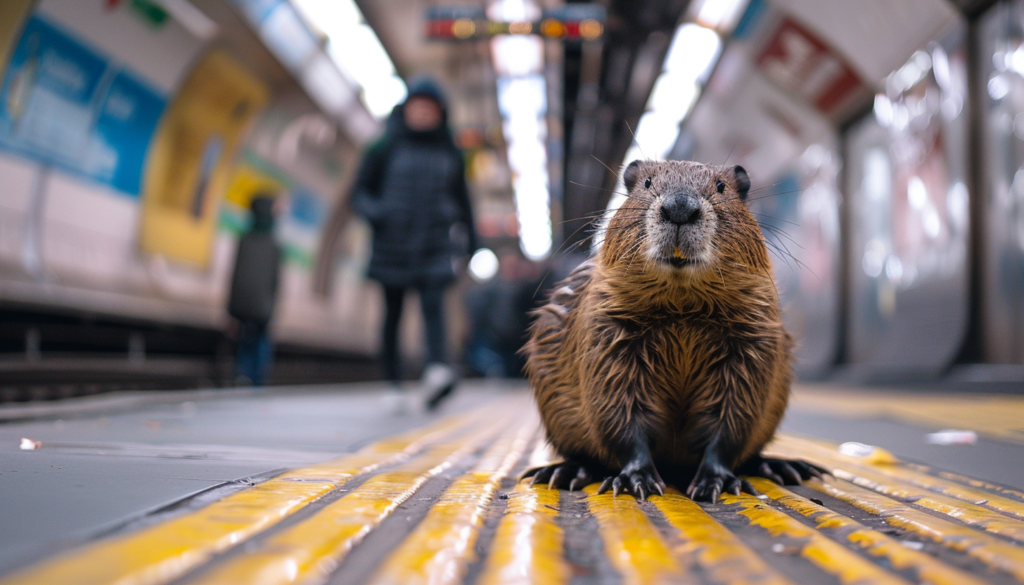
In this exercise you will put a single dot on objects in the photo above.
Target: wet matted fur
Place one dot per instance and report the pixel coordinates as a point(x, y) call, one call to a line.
point(670, 339)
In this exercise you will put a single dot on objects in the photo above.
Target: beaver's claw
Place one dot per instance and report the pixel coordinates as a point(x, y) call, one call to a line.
point(641, 483)
point(782, 471)
point(569, 475)
point(711, 482)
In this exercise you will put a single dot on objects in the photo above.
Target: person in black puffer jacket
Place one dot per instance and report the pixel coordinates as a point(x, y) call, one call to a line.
point(412, 190)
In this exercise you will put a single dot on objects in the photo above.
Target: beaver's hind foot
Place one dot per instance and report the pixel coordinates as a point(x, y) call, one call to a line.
point(782, 471)
point(641, 482)
point(570, 475)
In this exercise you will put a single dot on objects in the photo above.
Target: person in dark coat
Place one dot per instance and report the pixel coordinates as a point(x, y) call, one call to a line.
point(412, 190)
point(254, 293)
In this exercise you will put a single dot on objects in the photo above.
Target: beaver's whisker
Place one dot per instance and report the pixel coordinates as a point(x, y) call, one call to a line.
point(780, 233)
point(613, 191)
point(638, 147)
point(603, 164)
point(793, 223)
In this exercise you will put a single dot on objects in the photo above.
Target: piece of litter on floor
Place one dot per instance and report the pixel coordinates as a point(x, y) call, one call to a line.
point(30, 445)
point(952, 437)
point(778, 547)
point(869, 452)
point(912, 544)
point(854, 449)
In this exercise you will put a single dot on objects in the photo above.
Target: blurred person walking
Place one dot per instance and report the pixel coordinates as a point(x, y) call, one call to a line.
point(254, 293)
point(412, 190)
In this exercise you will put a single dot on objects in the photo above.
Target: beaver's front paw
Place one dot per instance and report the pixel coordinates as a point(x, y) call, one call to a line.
point(782, 471)
point(712, 480)
point(641, 482)
point(569, 475)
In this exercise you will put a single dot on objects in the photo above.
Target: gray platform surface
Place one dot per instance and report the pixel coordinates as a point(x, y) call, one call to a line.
point(109, 459)
point(98, 468)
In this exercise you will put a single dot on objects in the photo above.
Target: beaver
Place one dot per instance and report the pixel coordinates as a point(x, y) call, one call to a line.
point(666, 350)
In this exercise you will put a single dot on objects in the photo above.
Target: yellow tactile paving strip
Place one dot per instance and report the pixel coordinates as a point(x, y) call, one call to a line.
point(527, 546)
point(711, 546)
point(875, 522)
point(165, 551)
point(997, 416)
point(441, 547)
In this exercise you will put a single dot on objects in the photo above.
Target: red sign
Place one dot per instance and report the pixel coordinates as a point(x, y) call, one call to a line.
point(799, 61)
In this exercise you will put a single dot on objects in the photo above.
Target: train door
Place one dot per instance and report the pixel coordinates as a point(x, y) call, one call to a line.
point(1001, 71)
point(909, 216)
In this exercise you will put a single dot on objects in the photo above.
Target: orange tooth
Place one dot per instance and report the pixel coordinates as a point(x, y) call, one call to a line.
point(677, 253)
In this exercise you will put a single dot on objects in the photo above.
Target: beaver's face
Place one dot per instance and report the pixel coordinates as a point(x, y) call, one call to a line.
point(683, 211)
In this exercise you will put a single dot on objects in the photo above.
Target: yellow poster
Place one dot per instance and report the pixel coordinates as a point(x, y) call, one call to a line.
point(190, 160)
point(12, 15)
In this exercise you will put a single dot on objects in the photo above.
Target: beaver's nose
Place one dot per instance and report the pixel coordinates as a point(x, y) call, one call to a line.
point(681, 208)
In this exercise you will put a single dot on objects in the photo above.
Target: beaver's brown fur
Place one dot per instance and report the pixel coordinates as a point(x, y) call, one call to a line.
point(667, 349)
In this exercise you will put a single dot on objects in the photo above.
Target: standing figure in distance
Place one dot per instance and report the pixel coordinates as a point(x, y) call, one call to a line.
point(254, 293)
point(412, 190)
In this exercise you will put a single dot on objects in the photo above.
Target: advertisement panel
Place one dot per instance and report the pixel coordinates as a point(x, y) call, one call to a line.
point(66, 104)
point(192, 156)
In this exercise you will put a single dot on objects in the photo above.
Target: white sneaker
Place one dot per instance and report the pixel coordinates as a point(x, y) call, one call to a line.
point(394, 401)
point(438, 381)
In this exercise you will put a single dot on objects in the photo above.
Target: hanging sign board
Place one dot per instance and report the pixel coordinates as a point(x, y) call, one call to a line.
point(802, 63)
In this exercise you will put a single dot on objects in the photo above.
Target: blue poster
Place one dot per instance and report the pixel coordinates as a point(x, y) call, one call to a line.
point(65, 104)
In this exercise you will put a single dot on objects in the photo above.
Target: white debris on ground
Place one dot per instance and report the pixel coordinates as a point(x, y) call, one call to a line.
point(952, 437)
point(30, 445)
point(913, 545)
point(869, 453)
point(854, 449)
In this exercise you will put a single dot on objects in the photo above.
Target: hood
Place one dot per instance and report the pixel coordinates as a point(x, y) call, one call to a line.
point(422, 87)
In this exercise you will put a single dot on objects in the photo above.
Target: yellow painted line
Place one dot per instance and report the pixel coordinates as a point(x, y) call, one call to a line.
point(927, 568)
point(165, 551)
point(977, 483)
point(720, 553)
point(829, 556)
point(967, 504)
point(527, 547)
point(983, 547)
point(994, 415)
point(310, 550)
point(440, 548)
point(633, 544)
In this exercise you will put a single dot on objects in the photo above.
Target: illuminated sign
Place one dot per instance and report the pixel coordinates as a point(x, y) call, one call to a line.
point(570, 23)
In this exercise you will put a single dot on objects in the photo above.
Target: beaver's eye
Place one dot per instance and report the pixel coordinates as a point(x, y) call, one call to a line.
point(720, 186)
point(647, 183)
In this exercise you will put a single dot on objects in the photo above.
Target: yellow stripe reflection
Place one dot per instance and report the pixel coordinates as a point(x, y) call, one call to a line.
point(527, 548)
point(441, 547)
point(984, 547)
point(310, 550)
point(723, 556)
point(895, 480)
point(927, 568)
point(634, 546)
point(166, 551)
point(827, 555)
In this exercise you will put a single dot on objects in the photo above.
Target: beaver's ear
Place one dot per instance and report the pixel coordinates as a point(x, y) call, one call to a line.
point(630, 175)
point(741, 180)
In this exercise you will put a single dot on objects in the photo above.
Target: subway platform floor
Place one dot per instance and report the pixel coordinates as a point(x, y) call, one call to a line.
point(317, 484)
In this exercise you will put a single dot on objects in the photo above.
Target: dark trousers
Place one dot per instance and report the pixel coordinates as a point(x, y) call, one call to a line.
point(432, 302)
point(254, 353)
